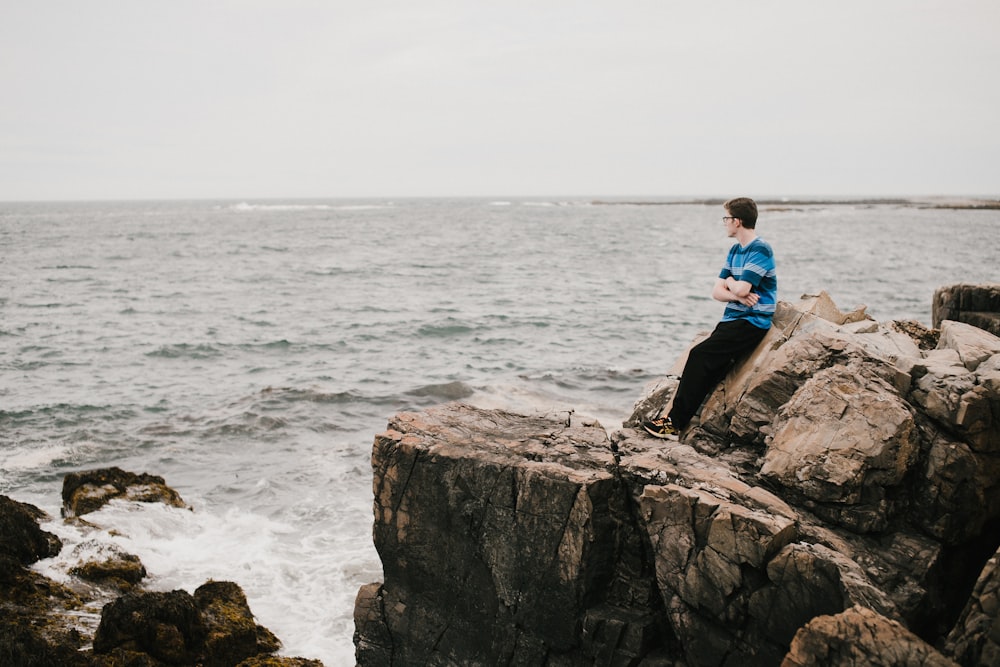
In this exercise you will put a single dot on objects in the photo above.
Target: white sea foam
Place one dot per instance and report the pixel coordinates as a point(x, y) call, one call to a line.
point(299, 586)
point(32, 458)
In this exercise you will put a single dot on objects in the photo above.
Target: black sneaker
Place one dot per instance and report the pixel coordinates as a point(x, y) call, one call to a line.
point(661, 428)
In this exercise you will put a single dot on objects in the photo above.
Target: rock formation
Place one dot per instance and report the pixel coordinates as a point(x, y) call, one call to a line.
point(834, 504)
point(89, 490)
point(978, 305)
point(213, 627)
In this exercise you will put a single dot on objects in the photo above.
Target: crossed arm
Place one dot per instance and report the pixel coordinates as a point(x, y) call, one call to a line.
point(730, 289)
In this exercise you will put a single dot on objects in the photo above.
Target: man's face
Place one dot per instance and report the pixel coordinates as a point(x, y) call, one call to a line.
point(732, 225)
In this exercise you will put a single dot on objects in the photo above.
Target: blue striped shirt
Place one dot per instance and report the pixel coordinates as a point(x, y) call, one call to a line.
point(753, 264)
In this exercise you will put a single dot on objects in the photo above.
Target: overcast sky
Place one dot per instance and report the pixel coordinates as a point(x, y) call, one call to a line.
point(125, 99)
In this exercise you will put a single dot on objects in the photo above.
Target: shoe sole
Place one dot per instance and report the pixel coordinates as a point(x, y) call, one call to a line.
point(657, 434)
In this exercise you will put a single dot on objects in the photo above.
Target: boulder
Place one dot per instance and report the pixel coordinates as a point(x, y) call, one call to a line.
point(859, 636)
point(165, 626)
point(20, 536)
point(502, 538)
point(214, 627)
point(108, 564)
point(31, 605)
point(88, 491)
point(843, 445)
point(232, 635)
point(978, 305)
point(842, 479)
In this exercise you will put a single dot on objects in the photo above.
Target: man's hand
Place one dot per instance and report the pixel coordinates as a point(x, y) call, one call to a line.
point(735, 290)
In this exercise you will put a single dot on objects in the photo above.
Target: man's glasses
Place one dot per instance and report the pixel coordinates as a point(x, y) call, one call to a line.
point(728, 218)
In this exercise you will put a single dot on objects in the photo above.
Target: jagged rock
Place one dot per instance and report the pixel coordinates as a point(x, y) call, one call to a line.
point(973, 345)
point(22, 645)
point(166, 626)
point(107, 563)
point(277, 661)
point(88, 491)
point(30, 631)
point(231, 631)
point(739, 568)
point(975, 640)
point(859, 637)
point(512, 530)
point(20, 536)
point(214, 628)
point(978, 305)
point(843, 443)
point(842, 466)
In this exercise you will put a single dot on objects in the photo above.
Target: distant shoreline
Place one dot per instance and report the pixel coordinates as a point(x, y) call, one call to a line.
point(787, 204)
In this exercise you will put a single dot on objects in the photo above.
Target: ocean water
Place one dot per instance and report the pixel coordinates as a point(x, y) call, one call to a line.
point(249, 351)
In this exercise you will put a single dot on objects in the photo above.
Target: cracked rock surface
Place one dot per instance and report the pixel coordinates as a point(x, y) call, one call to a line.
point(834, 504)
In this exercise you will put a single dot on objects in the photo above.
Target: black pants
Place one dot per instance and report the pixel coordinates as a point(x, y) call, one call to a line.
point(707, 364)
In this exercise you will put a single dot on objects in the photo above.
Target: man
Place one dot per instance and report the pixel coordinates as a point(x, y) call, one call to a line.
point(748, 285)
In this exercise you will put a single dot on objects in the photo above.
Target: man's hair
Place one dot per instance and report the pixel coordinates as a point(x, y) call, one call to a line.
point(745, 209)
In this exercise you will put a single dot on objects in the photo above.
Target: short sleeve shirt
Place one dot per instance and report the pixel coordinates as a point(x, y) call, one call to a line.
point(753, 264)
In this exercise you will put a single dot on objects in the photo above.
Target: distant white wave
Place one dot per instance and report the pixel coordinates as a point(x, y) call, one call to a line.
point(245, 206)
point(545, 204)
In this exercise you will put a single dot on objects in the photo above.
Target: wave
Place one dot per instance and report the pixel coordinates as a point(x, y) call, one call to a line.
point(38, 456)
point(450, 391)
point(244, 206)
point(444, 330)
point(295, 395)
point(185, 351)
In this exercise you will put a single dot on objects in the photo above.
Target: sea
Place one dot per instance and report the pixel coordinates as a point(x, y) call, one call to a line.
point(248, 351)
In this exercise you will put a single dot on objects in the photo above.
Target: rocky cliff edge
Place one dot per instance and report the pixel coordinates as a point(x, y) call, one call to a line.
point(836, 503)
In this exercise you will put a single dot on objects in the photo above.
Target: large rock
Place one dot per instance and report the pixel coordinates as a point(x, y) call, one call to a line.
point(859, 636)
point(31, 604)
point(214, 627)
point(108, 564)
point(89, 490)
point(20, 536)
point(978, 305)
point(502, 538)
point(846, 470)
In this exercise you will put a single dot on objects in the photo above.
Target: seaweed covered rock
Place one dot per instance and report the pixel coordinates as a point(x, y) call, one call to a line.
point(90, 490)
point(108, 564)
point(166, 626)
point(214, 627)
point(20, 536)
point(30, 604)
